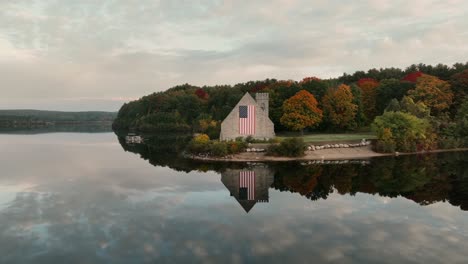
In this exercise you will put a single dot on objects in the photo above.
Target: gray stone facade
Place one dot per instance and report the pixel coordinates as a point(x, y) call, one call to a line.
point(264, 127)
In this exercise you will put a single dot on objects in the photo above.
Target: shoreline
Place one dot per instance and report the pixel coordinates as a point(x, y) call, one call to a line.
point(360, 153)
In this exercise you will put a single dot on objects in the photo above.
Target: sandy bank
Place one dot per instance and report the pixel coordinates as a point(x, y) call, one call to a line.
point(324, 154)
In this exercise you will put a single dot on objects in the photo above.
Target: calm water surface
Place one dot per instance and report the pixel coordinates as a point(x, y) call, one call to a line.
point(90, 198)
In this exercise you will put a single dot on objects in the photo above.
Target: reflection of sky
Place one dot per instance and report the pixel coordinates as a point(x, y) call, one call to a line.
point(89, 201)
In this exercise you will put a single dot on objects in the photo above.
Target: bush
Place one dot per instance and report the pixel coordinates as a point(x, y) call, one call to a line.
point(386, 143)
point(202, 138)
point(234, 147)
point(290, 147)
point(218, 149)
point(202, 145)
point(409, 133)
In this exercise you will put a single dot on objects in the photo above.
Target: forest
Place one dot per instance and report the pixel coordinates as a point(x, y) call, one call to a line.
point(416, 108)
point(41, 118)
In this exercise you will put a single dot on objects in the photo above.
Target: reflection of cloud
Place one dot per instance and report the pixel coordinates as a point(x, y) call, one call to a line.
point(121, 209)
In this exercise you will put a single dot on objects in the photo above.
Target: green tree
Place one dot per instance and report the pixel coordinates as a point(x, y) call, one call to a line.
point(408, 131)
point(393, 106)
point(459, 85)
point(391, 89)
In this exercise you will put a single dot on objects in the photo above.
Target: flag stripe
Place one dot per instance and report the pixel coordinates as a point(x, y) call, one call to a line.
point(247, 180)
point(247, 120)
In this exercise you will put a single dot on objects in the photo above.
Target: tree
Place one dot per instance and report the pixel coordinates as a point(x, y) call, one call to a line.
point(301, 111)
point(419, 109)
point(461, 122)
point(412, 77)
point(201, 93)
point(314, 86)
point(459, 85)
point(393, 106)
point(391, 89)
point(407, 131)
point(433, 92)
point(369, 94)
point(357, 100)
point(339, 108)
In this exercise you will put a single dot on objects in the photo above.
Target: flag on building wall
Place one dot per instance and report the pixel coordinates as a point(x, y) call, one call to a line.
point(247, 119)
point(247, 185)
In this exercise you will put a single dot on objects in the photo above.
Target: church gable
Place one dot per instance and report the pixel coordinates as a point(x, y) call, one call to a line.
point(247, 118)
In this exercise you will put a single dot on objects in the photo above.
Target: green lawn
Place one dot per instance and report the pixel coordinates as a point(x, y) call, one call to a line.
point(331, 137)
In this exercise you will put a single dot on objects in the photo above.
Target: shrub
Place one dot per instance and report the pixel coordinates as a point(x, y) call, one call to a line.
point(290, 147)
point(234, 147)
point(408, 132)
point(386, 142)
point(218, 149)
point(202, 138)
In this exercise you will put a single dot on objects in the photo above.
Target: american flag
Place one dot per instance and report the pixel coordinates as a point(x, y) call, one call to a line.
point(247, 185)
point(247, 119)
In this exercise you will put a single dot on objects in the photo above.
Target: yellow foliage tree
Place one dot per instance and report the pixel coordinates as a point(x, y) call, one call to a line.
point(433, 92)
point(301, 111)
point(339, 107)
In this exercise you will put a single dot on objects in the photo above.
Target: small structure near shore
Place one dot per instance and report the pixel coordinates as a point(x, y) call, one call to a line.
point(132, 138)
point(249, 118)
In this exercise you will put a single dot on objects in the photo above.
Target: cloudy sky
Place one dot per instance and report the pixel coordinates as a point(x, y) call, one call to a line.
point(97, 54)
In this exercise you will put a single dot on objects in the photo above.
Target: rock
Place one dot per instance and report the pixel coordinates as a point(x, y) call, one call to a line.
point(309, 148)
point(248, 150)
point(345, 146)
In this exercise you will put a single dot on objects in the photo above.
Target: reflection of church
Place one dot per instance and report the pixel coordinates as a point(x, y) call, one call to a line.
point(248, 186)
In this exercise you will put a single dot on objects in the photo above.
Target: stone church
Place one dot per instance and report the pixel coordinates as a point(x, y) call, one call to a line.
point(249, 118)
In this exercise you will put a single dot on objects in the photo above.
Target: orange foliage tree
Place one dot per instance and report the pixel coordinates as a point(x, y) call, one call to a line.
point(433, 92)
point(339, 107)
point(301, 111)
point(369, 95)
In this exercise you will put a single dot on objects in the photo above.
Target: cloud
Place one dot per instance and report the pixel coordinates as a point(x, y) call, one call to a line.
point(122, 48)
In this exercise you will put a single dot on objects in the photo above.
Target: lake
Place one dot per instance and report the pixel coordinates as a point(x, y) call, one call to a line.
point(91, 198)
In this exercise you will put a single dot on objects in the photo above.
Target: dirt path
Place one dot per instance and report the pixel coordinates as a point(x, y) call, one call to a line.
point(357, 153)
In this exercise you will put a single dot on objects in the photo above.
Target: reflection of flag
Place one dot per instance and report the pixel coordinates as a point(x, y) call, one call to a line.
point(247, 185)
point(247, 119)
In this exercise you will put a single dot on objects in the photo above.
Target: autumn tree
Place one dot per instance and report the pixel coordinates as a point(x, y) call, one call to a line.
point(412, 77)
point(433, 92)
point(369, 95)
point(301, 111)
point(339, 108)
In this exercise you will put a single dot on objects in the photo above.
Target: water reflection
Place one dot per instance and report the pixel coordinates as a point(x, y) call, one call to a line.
point(78, 198)
point(424, 179)
point(249, 186)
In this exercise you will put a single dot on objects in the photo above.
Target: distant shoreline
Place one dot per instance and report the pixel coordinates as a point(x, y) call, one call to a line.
point(361, 153)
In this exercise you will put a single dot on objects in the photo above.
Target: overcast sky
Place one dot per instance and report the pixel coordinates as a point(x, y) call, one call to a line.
point(97, 54)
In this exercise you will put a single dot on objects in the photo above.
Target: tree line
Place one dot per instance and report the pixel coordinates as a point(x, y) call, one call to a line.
point(434, 95)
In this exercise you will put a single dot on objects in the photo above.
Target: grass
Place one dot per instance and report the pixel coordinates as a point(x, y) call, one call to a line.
point(331, 137)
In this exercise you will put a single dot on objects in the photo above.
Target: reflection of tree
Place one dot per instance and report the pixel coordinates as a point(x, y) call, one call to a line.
point(166, 150)
point(425, 179)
